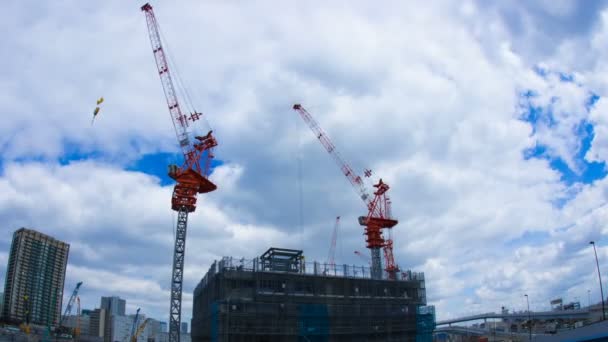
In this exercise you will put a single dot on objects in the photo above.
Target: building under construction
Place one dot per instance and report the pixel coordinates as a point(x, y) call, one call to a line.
point(280, 297)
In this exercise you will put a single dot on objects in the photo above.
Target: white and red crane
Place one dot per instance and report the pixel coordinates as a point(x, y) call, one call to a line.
point(191, 178)
point(331, 262)
point(378, 206)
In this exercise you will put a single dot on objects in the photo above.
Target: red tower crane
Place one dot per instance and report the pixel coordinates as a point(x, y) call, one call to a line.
point(78, 313)
point(191, 178)
point(379, 207)
point(332, 247)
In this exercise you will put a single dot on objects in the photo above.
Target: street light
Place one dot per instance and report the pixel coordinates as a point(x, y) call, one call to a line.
point(600, 277)
point(529, 319)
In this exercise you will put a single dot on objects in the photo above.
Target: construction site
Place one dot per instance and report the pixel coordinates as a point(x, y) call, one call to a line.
point(279, 296)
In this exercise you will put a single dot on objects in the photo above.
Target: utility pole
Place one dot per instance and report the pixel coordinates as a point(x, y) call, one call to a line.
point(600, 277)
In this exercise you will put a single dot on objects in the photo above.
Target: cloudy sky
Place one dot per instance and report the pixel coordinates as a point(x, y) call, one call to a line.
point(489, 121)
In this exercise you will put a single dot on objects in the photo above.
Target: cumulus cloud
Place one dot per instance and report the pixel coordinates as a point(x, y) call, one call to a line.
point(427, 95)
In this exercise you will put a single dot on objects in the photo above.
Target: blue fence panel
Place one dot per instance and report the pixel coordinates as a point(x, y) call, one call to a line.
point(425, 323)
point(313, 323)
point(214, 321)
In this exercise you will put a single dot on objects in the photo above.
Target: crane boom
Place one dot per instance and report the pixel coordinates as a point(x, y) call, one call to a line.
point(68, 308)
point(135, 319)
point(379, 207)
point(77, 329)
point(180, 121)
point(191, 178)
point(332, 248)
point(355, 180)
point(139, 330)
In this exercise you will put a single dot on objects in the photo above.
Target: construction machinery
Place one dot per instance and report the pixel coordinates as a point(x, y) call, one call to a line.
point(191, 177)
point(63, 331)
point(332, 247)
point(378, 206)
point(139, 330)
point(78, 313)
point(135, 319)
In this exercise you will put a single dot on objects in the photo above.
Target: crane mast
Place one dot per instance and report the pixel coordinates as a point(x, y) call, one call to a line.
point(379, 207)
point(191, 178)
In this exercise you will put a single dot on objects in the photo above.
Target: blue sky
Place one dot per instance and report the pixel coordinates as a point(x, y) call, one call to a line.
point(583, 132)
point(486, 120)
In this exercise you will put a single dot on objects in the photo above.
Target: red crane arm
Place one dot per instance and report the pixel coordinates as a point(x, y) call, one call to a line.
point(353, 178)
point(181, 122)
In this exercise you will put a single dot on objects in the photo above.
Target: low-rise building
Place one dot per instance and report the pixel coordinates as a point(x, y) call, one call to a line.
point(164, 337)
point(184, 328)
point(122, 326)
point(152, 329)
point(81, 322)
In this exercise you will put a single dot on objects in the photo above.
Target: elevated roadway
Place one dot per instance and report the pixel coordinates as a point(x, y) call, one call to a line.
point(469, 331)
point(544, 315)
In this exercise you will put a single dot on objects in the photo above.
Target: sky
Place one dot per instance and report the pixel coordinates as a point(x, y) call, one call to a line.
point(489, 121)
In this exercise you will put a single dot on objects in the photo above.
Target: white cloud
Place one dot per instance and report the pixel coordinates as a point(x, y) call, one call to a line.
point(425, 94)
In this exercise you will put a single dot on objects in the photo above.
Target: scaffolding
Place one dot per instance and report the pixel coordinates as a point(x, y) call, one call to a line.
point(250, 300)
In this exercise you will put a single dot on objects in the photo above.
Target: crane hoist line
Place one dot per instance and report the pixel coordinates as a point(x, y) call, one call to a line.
point(191, 177)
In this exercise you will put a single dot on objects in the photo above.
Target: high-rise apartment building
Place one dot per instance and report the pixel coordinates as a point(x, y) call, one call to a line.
point(35, 277)
point(184, 328)
point(114, 305)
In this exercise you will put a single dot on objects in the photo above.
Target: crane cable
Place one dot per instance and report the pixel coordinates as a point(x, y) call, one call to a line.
point(299, 179)
point(178, 79)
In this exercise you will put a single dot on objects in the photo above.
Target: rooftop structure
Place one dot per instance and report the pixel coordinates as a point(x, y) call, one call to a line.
point(279, 296)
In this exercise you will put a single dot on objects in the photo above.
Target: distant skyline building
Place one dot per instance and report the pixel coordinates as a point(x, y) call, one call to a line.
point(152, 329)
point(163, 327)
point(35, 277)
point(122, 325)
point(83, 322)
point(184, 328)
point(97, 323)
point(114, 305)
